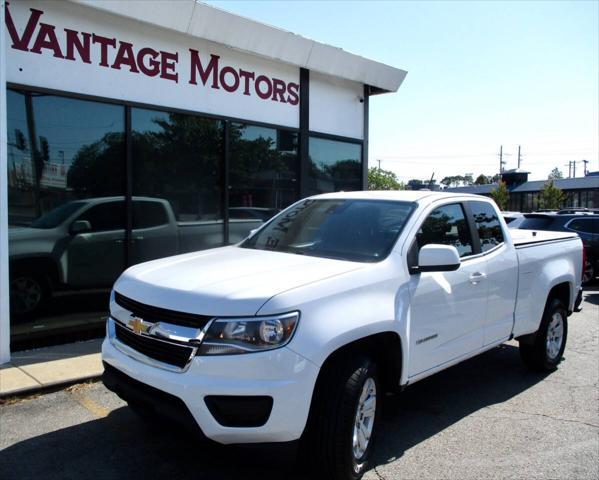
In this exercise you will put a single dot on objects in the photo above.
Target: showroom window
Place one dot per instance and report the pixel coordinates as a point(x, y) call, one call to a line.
point(334, 166)
point(66, 158)
point(97, 186)
point(263, 175)
point(177, 159)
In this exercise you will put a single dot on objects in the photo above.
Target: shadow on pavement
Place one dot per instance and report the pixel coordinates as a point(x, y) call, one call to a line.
point(434, 404)
point(591, 297)
point(120, 446)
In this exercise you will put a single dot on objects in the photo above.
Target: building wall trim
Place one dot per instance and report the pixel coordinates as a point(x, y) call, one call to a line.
point(4, 279)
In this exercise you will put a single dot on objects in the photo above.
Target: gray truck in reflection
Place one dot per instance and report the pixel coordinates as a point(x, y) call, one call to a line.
point(81, 245)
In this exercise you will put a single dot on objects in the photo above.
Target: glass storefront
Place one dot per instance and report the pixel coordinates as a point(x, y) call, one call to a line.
point(89, 196)
point(66, 175)
point(334, 166)
point(176, 173)
point(529, 201)
point(263, 175)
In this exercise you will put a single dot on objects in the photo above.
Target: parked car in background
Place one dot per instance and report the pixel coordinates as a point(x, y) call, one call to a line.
point(513, 219)
point(582, 221)
point(54, 251)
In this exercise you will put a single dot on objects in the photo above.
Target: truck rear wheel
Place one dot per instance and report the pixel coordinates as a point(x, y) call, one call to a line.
point(545, 350)
point(343, 419)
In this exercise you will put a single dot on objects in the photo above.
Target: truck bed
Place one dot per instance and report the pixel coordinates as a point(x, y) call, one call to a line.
point(523, 238)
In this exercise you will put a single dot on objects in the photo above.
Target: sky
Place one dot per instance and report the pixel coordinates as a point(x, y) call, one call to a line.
point(481, 74)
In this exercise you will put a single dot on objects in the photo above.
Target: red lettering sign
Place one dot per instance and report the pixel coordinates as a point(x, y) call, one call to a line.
point(41, 38)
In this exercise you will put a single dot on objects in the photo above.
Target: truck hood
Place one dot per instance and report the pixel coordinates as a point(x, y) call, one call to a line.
point(26, 233)
point(227, 281)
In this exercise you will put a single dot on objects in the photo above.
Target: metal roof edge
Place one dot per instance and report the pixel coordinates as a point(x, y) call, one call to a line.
point(204, 21)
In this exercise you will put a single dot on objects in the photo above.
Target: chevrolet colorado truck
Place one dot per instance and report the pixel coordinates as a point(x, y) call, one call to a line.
point(298, 331)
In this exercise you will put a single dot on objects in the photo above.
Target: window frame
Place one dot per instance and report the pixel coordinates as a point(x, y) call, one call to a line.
point(128, 105)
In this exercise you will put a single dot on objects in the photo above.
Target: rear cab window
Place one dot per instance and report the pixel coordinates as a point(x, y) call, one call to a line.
point(487, 224)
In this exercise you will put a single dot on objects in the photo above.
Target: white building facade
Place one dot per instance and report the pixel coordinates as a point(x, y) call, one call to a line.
point(136, 130)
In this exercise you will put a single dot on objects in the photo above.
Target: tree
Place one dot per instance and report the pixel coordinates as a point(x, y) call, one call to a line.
point(501, 195)
point(383, 180)
point(555, 174)
point(457, 180)
point(551, 197)
point(451, 181)
point(482, 180)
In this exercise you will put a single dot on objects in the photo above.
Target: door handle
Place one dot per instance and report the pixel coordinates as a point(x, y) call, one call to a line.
point(477, 277)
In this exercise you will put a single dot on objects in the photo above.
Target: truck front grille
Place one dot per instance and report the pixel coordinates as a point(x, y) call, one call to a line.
point(156, 314)
point(160, 350)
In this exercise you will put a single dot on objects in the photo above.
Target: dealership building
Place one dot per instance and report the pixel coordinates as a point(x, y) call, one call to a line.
point(136, 130)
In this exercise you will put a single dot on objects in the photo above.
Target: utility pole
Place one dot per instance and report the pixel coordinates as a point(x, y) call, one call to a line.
point(569, 169)
point(501, 162)
point(379, 165)
point(574, 168)
point(585, 167)
point(430, 183)
point(519, 156)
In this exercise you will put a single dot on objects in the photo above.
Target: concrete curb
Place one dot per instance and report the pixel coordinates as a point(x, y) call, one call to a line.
point(51, 368)
point(47, 388)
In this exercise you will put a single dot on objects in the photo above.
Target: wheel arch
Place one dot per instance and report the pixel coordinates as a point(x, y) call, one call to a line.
point(385, 348)
point(561, 292)
point(43, 264)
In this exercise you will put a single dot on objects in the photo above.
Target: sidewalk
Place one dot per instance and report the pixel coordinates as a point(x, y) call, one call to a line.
point(33, 370)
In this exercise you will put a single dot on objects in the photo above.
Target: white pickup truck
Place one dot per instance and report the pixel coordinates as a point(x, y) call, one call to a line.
point(297, 332)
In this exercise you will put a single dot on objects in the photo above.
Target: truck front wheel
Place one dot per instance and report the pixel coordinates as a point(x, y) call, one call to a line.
point(545, 349)
point(343, 419)
point(29, 291)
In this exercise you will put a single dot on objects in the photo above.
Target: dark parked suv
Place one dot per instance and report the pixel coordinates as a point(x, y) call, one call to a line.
point(583, 222)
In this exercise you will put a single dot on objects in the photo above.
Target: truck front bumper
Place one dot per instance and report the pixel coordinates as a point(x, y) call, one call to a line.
point(269, 390)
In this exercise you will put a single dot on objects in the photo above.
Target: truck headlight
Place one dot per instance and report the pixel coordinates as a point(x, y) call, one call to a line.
point(230, 336)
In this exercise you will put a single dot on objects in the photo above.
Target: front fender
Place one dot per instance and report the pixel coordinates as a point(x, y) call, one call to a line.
point(336, 312)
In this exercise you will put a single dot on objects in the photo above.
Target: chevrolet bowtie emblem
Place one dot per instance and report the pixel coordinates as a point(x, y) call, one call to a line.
point(137, 325)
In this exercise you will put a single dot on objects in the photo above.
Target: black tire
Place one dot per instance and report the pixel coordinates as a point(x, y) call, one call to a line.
point(537, 353)
point(29, 293)
point(329, 438)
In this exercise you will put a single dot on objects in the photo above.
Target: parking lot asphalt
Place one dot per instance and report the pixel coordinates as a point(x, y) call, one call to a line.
point(486, 418)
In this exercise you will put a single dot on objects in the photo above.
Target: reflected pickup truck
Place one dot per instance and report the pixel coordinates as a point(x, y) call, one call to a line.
point(81, 245)
point(297, 332)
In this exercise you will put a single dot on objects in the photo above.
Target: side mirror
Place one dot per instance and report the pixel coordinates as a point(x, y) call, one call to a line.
point(80, 226)
point(438, 258)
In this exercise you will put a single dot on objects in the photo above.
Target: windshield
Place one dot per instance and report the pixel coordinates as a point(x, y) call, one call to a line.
point(55, 217)
point(345, 229)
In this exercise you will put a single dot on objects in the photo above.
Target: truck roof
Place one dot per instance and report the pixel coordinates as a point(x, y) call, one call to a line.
point(399, 195)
